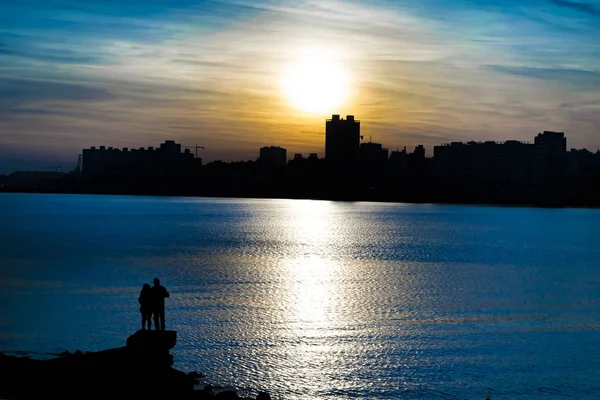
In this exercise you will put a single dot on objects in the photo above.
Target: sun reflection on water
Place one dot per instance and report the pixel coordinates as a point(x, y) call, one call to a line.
point(313, 292)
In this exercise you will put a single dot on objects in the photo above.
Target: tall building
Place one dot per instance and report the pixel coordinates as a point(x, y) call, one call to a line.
point(273, 155)
point(398, 162)
point(342, 140)
point(418, 166)
point(549, 159)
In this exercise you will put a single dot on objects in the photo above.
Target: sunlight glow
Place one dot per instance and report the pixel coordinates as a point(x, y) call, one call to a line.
point(316, 83)
point(310, 272)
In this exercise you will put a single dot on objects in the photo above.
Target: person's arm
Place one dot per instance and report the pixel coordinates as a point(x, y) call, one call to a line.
point(166, 293)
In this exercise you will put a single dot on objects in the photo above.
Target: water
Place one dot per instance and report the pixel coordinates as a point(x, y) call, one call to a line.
point(316, 299)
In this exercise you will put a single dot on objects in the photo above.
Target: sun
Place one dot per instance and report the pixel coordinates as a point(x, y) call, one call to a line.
point(317, 83)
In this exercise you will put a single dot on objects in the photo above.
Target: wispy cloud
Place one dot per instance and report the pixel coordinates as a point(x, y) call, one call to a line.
point(27, 90)
point(579, 77)
point(579, 6)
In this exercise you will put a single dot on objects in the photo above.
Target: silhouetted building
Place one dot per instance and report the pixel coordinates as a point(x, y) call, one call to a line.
point(417, 165)
point(501, 164)
point(31, 179)
point(113, 163)
point(581, 162)
point(342, 140)
point(549, 161)
point(373, 161)
point(299, 162)
point(583, 174)
point(273, 155)
point(398, 163)
point(298, 157)
point(373, 153)
point(169, 147)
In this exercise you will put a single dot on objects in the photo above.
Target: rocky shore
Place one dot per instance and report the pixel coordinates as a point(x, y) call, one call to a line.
point(141, 369)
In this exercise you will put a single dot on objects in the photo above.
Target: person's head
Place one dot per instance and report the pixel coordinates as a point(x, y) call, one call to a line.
point(156, 281)
point(146, 286)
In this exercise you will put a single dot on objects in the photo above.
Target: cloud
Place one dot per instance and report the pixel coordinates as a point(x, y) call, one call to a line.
point(581, 104)
point(582, 7)
point(29, 90)
point(51, 56)
point(584, 78)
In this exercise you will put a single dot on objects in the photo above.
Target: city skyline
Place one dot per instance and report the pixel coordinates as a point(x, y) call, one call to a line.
point(542, 172)
point(272, 150)
point(225, 75)
point(348, 146)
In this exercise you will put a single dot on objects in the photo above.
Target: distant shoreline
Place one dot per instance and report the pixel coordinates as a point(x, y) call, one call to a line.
point(366, 199)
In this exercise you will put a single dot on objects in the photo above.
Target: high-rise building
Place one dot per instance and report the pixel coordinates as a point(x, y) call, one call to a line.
point(398, 162)
point(418, 165)
point(549, 159)
point(342, 140)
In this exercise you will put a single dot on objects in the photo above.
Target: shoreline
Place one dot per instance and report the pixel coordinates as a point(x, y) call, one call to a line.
point(549, 205)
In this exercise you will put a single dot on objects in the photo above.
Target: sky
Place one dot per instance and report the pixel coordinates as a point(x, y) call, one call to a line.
point(224, 74)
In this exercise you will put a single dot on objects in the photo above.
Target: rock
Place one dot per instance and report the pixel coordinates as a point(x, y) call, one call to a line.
point(142, 369)
point(227, 395)
point(195, 375)
point(263, 396)
point(202, 395)
point(152, 341)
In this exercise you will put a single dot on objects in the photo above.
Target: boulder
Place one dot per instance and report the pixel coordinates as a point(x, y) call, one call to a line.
point(152, 341)
point(263, 396)
point(227, 395)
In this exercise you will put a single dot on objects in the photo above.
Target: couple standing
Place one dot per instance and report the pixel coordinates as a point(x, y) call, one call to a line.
point(152, 302)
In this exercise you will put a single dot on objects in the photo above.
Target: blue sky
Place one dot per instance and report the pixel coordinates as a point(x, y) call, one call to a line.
point(135, 73)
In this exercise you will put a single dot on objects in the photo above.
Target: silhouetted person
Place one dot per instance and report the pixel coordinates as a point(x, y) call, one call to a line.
point(145, 300)
point(159, 294)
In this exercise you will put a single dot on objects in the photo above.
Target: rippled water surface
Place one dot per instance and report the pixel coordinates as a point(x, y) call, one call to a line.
point(316, 299)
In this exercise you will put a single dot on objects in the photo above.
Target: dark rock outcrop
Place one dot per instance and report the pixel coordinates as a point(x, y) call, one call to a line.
point(141, 369)
point(263, 396)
